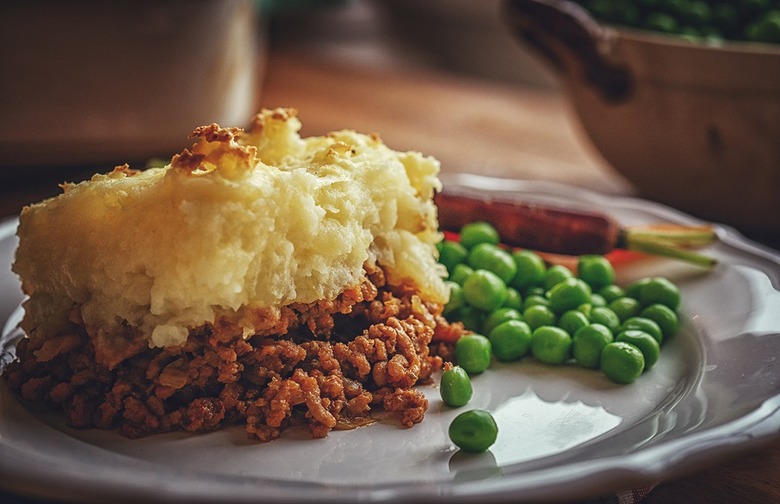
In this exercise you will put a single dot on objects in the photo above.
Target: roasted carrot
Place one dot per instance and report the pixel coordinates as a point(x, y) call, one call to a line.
point(564, 231)
point(530, 225)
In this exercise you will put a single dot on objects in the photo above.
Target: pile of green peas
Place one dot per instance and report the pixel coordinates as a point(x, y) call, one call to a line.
point(713, 20)
point(516, 305)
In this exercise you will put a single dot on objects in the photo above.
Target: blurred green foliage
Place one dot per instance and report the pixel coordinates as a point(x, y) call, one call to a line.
point(711, 20)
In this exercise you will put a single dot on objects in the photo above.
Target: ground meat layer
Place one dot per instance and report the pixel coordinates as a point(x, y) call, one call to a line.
point(335, 363)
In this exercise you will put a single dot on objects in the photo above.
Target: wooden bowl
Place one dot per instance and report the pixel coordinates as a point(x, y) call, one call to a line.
point(691, 125)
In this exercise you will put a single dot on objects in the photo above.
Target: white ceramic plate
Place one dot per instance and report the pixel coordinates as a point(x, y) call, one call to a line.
point(564, 432)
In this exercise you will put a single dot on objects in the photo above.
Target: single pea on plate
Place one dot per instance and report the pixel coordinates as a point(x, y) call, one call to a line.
point(474, 431)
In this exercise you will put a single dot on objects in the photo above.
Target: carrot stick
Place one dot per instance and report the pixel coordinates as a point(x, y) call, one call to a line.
point(564, 231)
point(529, 225)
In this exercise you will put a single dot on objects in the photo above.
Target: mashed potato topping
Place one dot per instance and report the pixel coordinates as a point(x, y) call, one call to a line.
point(245, 221)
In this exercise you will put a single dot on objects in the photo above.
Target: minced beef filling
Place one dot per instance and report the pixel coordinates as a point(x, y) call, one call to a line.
point(335, 363)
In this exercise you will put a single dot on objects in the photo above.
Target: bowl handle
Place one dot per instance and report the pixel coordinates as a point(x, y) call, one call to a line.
point(565, 34)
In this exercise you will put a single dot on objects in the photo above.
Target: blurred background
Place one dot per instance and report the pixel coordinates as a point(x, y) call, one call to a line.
point(96, 84)
point(676, 101)
point(463, 36)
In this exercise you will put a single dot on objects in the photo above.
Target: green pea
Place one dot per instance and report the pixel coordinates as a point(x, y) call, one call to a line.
point(471, 317)
point(474, 233)
point(712, 35)
point(662, 22)
point(710, 19)
point(457, 300)
point(752, 7)
point(648, 345)
point(597, 300)
point(615, 12)
point(585, 309)
point(473, 353)
point(534, 300)
point(635, 287)
point(588, 343)
point(484, 290)
point(500, 316)
point(596, 271)
point(696, 13)
point(602, 9)
point(569, 294)
point(490, 257)
point(675, 7)
point(550, 344)
point(726, 16)
point(460, 273)
point(555, 274)
point(510, 340)
point(605, 316)
point(665, 317)
point(537, 290)
point(513, 299)
point(530, 270)
point(539, 315)
point(455, 387)
point(765, 29)
point(474, 431)
point(572, 320)
point(660, 290)
point(611, 292)
point(624, 307)
point(452, 253)
point(690, 34)
point(622, 362)
point(644, 324)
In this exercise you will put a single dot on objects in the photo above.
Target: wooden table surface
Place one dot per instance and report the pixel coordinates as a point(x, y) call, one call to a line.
point(472, 125)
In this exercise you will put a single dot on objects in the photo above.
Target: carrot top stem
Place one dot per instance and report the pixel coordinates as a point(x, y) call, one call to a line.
point(675, 241)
